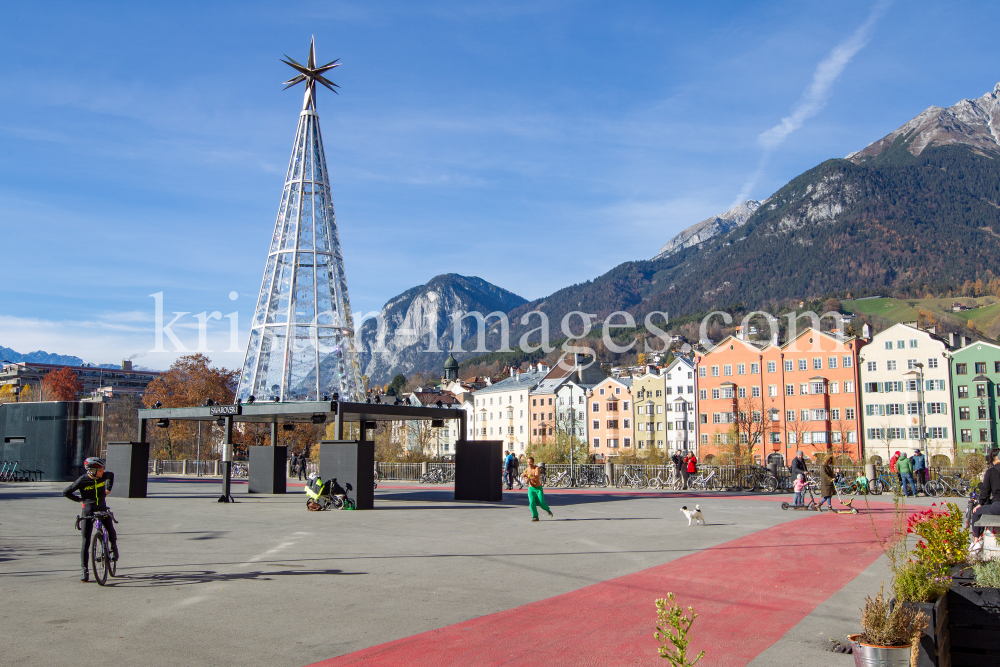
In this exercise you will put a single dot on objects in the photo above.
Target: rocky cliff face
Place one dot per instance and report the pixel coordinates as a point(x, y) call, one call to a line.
point(414, 329)
point(973, 123)
point(709, 228)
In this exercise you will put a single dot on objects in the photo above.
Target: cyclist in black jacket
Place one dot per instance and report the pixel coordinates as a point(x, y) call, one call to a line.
point(989, 500)
point(93, 488)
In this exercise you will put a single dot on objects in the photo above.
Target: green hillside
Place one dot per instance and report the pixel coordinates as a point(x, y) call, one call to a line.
point(984, 312)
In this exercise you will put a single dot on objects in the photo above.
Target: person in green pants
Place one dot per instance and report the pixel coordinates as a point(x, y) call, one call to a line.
point(536, 497)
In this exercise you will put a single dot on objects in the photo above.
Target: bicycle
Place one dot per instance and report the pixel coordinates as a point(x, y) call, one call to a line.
point(759, 476)
point(703, 482)
point(948, 484)
point(563, 480)
point(9, 476)
point(437, 475)
point(100, 551)
point(592, 477)
point(239, 470)
point(845, 486)
point(884, 481)
point(630, 477)
point(673, 480)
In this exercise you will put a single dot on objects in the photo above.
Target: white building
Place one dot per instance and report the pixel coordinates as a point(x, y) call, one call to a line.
point(666, 407)
point(682, 412)
point(906, 393)
point(502, 412)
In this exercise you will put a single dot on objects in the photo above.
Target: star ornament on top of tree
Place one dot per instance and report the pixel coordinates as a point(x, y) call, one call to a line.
point(311, 75)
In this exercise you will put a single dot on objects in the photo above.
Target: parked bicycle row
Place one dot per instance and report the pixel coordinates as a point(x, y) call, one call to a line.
point(11, 471)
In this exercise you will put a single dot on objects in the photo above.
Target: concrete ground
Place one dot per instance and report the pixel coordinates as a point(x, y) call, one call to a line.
point(264, 582)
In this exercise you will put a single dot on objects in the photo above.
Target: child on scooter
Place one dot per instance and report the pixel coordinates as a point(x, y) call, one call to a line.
point(799, 486)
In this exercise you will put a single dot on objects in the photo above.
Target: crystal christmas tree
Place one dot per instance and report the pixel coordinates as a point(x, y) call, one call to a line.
point(302, 338)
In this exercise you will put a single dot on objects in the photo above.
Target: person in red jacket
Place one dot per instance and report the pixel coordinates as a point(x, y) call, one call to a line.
point(690, 467)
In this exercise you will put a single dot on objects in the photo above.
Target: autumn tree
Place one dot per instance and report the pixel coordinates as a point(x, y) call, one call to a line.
point(190, 381)
point(750, 424)
point(61, 385)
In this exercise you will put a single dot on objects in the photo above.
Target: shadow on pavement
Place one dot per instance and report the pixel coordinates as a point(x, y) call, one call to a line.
point(155, 579)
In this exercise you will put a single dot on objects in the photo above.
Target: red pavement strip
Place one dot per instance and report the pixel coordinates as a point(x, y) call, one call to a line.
point(747, 593)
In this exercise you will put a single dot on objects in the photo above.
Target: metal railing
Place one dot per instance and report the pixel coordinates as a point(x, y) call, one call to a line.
point(396, 471)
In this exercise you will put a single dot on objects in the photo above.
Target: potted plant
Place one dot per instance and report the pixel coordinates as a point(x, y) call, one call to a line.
point(922, 579)
point(890, 634)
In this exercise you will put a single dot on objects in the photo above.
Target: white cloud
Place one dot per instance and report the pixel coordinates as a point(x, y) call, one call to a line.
point(817, 94)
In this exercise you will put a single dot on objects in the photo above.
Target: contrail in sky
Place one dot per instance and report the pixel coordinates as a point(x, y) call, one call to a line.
point(816, 95)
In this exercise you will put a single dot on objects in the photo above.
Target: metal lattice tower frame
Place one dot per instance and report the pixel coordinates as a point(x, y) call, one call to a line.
point(302, 337)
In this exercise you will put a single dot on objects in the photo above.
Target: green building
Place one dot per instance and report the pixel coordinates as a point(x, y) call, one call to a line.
point(975, 373)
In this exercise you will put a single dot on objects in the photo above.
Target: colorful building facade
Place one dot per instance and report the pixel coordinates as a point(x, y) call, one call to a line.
point(778, 399)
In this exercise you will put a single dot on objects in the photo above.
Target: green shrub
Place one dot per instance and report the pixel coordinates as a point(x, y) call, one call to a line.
point(987, 574)
point(916, 582)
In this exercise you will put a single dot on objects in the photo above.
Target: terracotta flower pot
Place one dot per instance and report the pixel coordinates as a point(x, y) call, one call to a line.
point(866, 655)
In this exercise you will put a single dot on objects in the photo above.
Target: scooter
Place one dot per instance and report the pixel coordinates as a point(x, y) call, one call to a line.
point(811, 505)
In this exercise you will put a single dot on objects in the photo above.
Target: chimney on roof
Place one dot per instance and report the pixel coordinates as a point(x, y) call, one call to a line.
point(866, 331)
point(951, 338)
point(965, 341)
point(127, 365)
point(774, 339)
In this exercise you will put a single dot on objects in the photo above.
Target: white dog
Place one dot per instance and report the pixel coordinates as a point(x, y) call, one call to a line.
point(694, 516)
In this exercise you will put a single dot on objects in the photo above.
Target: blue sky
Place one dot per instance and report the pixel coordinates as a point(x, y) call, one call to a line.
point(535, 144)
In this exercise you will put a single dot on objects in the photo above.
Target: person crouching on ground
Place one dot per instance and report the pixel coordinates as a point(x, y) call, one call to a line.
point(799, 486)
point(536, 497)
point(862, 482)
point(826, 482)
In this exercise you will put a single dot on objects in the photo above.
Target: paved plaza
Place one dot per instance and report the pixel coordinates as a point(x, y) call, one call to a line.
point(424, 580)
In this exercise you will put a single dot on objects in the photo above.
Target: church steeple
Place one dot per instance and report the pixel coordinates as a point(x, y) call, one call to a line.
point(450, 366)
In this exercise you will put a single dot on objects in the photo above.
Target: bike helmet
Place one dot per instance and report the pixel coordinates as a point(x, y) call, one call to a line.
point(312, 476)
point(93, 463)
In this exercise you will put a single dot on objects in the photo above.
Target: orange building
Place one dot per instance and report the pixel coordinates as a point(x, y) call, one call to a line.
point(802, 395)
point(609, 417)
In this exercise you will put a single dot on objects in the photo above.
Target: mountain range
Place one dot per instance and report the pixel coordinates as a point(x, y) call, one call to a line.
point(42, 357)
point(920, 206)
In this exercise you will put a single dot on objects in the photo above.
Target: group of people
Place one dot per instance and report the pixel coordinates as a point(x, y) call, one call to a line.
point(800, 480)
point(686, 465)
point(910, 471)
point(299, 465)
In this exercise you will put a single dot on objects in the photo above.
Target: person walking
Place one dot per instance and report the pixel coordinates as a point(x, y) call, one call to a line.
point(905, 469)
point(536, 497)
point(302, 466)
point(690, 467)
point(798, 466)
point(989, 497)
point(508, 464)
point(826, 482)
point(799, 486)
point(919, 462)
